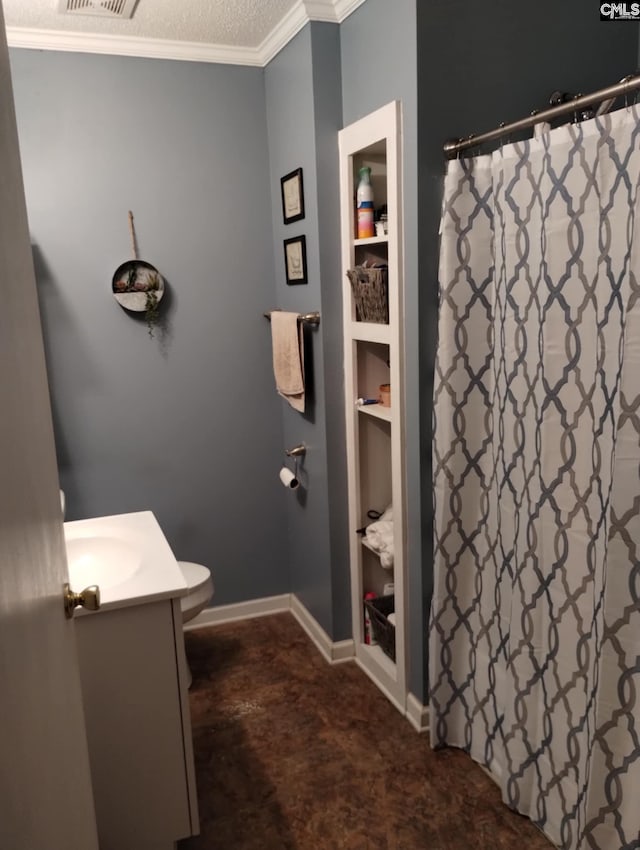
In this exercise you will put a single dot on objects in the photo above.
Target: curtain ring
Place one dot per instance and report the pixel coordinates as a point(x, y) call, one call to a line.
point(575, 111)
point(469, 138)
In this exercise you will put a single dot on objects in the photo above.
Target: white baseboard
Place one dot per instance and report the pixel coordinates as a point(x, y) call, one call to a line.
point(343, 650)
point(335, 652)
point(417, 714)
point(240, 611)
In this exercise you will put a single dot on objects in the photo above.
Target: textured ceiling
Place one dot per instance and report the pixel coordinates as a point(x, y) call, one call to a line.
point(241, 23)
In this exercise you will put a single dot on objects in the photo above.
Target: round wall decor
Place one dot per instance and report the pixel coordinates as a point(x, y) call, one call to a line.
point(136, 285)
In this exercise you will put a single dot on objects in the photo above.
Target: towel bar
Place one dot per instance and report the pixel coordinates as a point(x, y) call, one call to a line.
point(307, 318)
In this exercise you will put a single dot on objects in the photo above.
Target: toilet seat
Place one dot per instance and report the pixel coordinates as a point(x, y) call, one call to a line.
point(200, 584)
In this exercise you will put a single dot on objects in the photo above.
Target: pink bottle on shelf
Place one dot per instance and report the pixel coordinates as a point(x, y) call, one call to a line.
point(368, 628)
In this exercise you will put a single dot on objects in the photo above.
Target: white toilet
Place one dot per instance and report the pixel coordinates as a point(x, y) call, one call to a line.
point(200, 584)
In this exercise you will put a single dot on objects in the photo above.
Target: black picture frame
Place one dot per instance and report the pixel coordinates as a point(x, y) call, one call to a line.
point(292, 192)
point(295, 260)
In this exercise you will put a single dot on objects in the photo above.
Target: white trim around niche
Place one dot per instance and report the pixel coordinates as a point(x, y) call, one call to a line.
point(334, 11)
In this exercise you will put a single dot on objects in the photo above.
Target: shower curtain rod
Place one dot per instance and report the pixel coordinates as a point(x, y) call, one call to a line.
point(625, 86)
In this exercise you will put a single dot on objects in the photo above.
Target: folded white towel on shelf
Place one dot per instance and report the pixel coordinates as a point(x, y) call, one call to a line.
point(379, 535)
point(386, 559)
point(288, 357)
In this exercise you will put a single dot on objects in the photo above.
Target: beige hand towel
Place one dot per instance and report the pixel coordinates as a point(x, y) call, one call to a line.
point(288, 357)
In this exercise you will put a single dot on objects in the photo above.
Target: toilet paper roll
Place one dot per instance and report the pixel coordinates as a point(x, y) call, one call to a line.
point(288, 479)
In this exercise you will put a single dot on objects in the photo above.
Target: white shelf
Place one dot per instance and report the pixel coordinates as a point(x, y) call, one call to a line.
point(370, 332)
point(376, 410)
point(373, 354)
point(371, 240)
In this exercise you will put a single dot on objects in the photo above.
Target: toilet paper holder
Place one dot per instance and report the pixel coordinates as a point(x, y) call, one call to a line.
point(296, 451)
point(290, 479)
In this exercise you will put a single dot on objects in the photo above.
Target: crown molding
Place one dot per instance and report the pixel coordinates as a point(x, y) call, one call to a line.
point(332, 11)
point(320, 10)
point(344, 8)
point(281, 35)
point(120, 45)
point(329, 11)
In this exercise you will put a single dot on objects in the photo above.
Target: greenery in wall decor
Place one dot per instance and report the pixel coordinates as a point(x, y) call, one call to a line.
point(152, 313)
point(138, 286)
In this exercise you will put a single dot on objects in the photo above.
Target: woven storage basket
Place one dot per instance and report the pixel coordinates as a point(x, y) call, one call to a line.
point(383, 631)
point(370, 293)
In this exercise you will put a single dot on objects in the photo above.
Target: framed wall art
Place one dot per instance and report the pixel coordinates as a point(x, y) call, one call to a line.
point(292, 196)
point(295, 260)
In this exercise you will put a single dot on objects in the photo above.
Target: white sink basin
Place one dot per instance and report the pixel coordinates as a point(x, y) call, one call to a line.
point(105, 561)
point(126, 555)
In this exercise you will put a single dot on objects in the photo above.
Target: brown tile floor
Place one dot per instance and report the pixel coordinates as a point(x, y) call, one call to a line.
point(294, 753)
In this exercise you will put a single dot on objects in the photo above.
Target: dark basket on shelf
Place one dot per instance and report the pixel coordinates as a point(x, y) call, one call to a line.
point(370, 293)
point(383, 631)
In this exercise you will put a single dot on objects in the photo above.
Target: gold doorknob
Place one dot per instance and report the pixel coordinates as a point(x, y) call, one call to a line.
point(88, 598)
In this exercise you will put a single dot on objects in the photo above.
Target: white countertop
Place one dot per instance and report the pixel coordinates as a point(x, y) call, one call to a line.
point(127, 556)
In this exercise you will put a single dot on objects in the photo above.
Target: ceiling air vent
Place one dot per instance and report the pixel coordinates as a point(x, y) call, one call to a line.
point(102, 8)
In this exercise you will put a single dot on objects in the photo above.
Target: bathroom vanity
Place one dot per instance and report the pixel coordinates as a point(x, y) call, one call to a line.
point(134, 683)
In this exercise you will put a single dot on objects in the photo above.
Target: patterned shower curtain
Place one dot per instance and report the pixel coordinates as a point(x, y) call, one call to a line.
point(535, 622)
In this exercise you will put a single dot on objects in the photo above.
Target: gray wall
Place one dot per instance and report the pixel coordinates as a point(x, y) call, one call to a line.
point(480, 64)
point(303, 117)
point(327, 90)
point(187, 424)
point(378, 45)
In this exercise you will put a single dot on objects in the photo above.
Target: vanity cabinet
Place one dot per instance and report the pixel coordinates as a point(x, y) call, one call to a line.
point(373, 352)
point(135, 691)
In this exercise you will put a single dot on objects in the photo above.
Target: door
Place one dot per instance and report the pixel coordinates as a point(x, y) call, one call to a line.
point(46, 802)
